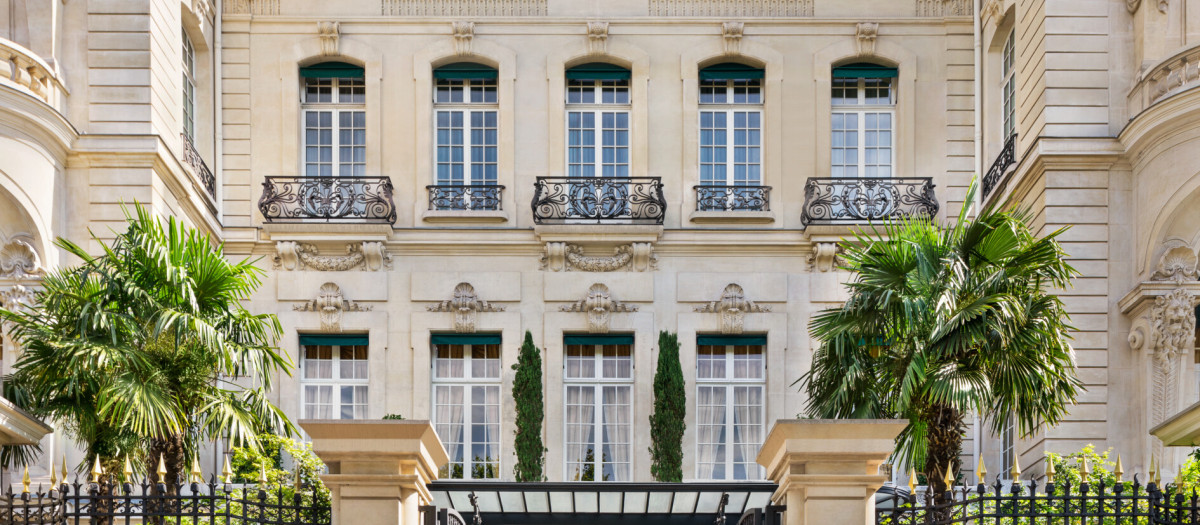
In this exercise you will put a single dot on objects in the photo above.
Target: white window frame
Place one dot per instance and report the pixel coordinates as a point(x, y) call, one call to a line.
point(1008, 447)
point(336, 108)
point(468, 108)
point(861, 109)
point(731, 109)
point(598, 108)
point(730, 383)
point(468, 382)
point(336, 382)
point(1008, 86)
point(189, 87)
point(597, 383)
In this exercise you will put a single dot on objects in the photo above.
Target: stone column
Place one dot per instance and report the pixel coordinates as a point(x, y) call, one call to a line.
point(377, 469)
point(828, 470)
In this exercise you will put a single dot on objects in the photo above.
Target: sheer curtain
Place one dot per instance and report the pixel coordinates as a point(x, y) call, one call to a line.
point(710, 432)
point(448, 421)
point(581, 404)
point(616, 432)
point(485, 431)
point(747, 431)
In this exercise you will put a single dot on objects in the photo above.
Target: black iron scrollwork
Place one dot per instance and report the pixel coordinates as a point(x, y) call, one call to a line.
point(599, 199)
point(1006, 158)
point(193, 159)
point(303, 199)
point(733, 198)
point(474, 197)
point(851, 200)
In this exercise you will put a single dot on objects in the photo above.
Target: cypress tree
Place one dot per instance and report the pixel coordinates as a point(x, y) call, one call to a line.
point(670, 409)
point(527, 393)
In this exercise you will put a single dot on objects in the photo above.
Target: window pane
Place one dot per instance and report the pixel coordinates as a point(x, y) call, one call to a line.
point(618, 362)
point(747, 431)
point(448, 361)
point(580, 451)
point(710, 431)
point(617, 439)
point(581, 361)
point(710, 362)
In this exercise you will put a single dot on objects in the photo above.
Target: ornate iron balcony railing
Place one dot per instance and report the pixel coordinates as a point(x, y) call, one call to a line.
point(1006, 158)
point(634, 200)
point(350, 199)
point(473, 197)
point(733, 198)
point(193, 159)
point(862, 199)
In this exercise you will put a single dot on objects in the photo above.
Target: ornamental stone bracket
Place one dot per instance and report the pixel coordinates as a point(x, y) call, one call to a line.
point(464, 34)
point(599, 307)
point(330, 304)
point(635, 257)
point(597, 33)
point(330, 34)
point(368, 256)
point(466, 306)
point(864, 38)
point(732, 307)
point(731, 33)
point(824, 257)
point(18, 258)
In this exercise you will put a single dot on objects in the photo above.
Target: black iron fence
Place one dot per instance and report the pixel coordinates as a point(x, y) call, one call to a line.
point(152, 503)
point(314, 199)
point(476, 197)
point(733, 198)
point(634, 200)
point(1121, 503)
point(193, 159)
point(1006, 158)
point(862, 199)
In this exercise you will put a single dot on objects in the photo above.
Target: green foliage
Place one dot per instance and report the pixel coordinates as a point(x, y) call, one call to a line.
point(527, 395)
point(250, 464)
point(946, 320)
point(670, 411)
point(132, 352)
point(394, 416)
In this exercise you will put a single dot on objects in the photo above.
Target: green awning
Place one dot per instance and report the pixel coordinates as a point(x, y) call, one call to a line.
point(731, 71)
point(331, 70)
point(597, 339)
point(864, 70)
point(598, 71)
point(731, 340)
point(464, 339)
point(333, 339)
point(465, 71)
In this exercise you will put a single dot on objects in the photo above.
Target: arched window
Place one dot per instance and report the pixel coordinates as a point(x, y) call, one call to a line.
point(598, 120)
point(465, 118)
point(334, 113)
point(864, 120)
point(730, 138)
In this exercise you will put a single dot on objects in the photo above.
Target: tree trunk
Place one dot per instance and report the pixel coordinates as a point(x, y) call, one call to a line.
point(171, 452)
point(946, 427)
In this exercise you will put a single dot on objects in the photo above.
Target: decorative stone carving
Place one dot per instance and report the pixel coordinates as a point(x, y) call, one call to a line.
point(251, 7)
point(560, 256)
point(599, 306)
point(330, 304)
point(18, 258)
point(330, 33)
point(369, 256)
point(732, 33)
point(1177, 263)
point(16, 297)
point(732, 307)
point(944, 8)
point(1137, 338)
point(1162, 6)
point(597, 33)
point(991, 11)
point(466, 306)
point(464, 34)
point(1172, 338)
point(1132, 5)
point(864, 37)
point(824, 257)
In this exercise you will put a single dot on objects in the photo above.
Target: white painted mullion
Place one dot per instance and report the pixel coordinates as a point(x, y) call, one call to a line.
point(729, 143)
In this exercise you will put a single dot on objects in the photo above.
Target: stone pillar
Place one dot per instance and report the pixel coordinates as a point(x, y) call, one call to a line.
point(378, 470)
point(828, 470)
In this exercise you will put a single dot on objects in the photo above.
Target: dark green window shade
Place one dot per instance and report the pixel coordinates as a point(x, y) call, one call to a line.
point(598, 71)
point(332, 70)
point(731, 71)
point(465, 71)
point(465, 339)
point(731, 340)
point(333, 339)
point(598, 339)
point(864, 70)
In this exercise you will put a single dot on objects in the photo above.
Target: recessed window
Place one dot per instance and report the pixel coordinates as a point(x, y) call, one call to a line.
point(730, 406)
point(189, 88)
point(730, 134)
point(333, 107)
point(863, 121)
point(466, 122)
point(466, 403)
point(598, 407)
point(598, 120)
point(1008, 85)
point(334, 376)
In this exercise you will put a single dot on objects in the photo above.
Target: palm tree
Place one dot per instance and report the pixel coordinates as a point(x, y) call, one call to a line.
point(943, 321)
point(146, 351)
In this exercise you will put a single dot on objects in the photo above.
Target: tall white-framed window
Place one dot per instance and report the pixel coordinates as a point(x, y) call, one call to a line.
point(1007, 444)
point(333, 111)
point(730, 407)
point(863, 121)
point(334, 377)
point(1008, 86)
point(731, 101)
point(598, 107)
point(466, 122)
point(598, 385)
point(189, 87)
point(466, 404)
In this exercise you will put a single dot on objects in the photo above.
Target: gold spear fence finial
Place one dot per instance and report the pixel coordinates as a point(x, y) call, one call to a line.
point(1016, 469)
point(981, 472)
point(912, 479)
point(97, 470)
point(1120, 469)
point(128, 470)
point(25, 481)
point(1050, 472)
point(226, 472)
point(949, 479)
point(1085, 469)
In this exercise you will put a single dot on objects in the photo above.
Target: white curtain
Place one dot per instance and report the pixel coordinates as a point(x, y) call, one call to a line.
point(318, 402)
point(581, 404)
point(747, 430)
point(485, 420)
point(710, 432)
point(449, 362)
point(448, 419)
point(616, 430)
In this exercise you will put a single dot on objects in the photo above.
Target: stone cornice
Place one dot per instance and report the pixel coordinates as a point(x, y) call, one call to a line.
point(1060, 153)
point(35, 117)
point(1145, 293)
point(1161, 120)
point(18, 427)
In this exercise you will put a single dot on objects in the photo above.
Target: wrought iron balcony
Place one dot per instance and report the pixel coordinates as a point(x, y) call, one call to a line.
point(329, 199)
point(193, 159)
point(632, 200)
point(1006, 158)
point(444, 197)
point(733, 198)
point(860, 199)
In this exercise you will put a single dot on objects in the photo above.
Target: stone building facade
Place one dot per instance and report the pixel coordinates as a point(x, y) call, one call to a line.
point(411, 175)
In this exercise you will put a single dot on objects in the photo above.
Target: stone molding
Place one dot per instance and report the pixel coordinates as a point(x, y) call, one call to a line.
point(740, 8)
point(18, 258)
point(368, 255)
point(330, 33)
point(562, 256)
point(944, 8)
point(864, 38)
point(597, 33)
point(463, 7)
point(731, 33)
point(599, 306)
point(732, 306)
point(330, 304)
point(464, 34)
point(251, 7)
point(466, 306)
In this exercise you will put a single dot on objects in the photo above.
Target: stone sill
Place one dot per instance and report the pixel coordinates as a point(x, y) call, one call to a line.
point(464, 216)
point(610, 232)
point(732, 217)
point(317, 231)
